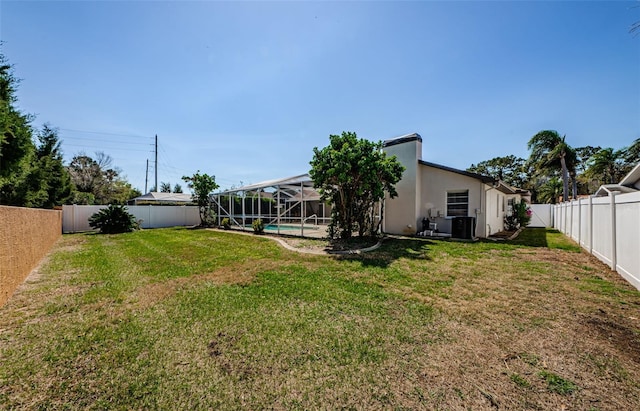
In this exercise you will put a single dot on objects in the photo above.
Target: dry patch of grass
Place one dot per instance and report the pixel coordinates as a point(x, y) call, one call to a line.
point(212, 320)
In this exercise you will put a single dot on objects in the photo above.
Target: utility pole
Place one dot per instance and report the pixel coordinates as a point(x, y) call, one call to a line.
point(146, 177)
point(156, 162)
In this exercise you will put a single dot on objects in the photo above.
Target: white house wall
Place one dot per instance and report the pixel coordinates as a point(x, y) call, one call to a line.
point(495, 212)
point(401, 215)
point(435, 183)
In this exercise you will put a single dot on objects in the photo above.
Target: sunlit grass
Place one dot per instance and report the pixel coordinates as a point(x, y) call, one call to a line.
point(177, 318)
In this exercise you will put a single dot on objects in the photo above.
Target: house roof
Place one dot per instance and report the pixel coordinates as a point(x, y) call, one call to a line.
point(629, 184)
point(484, 179)
point(302, 179)
point(165, 197)
point(633, 178)
point(607, 189)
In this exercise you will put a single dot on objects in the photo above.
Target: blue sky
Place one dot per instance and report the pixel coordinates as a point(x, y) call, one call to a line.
point(245, 90)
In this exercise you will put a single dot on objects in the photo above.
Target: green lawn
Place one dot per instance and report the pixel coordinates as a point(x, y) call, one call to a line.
point(197, 319)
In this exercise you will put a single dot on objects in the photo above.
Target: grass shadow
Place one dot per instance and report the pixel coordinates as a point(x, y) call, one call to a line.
point(546, 237)
point(391, 250)
point(532, 237)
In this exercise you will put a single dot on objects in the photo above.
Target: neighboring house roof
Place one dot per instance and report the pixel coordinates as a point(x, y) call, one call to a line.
point(163, 198)
point(633, 178)
point(629, 184)
point(484, 179)
point(607, 189)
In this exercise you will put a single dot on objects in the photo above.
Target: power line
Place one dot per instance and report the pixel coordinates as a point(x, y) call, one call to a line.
point(109, 148)
point(105, 133)
point(105, 141)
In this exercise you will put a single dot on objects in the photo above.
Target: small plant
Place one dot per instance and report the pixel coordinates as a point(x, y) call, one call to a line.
point(258, 226)
point(519, 380)
point(113, 219)
point(557, 384)
point(225, 223)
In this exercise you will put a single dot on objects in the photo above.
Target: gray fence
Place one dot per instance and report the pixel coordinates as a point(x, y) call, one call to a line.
point(607, 227)
point(75, 218)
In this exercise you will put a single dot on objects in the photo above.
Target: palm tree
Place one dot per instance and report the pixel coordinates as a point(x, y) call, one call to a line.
point(550, 191)
point(549, 152)
point(605, 166)
point(632, 153)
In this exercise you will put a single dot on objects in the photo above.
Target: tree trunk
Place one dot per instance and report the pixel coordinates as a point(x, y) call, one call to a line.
point(565, 179)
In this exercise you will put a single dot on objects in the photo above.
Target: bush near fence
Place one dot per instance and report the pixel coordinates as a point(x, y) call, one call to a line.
point(26, 236)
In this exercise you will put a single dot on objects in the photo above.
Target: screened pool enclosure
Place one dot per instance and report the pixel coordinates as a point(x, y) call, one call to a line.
point(286, 206)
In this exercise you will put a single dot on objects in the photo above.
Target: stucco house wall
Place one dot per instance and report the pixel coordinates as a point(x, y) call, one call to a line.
point(422, 192)
point(436, 183)
point(401, 213)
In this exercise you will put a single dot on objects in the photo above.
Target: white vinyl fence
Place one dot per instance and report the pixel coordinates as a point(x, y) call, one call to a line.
point(75, 218)
point(541, 215)
point(608, 227)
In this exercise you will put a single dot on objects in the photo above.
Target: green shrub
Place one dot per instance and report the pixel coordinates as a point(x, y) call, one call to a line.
point(113, 219)
point(258, 226)
point(519, 217)
point(226, 223)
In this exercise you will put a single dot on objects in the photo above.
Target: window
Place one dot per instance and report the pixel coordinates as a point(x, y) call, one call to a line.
point(458, 203)
point(510, 203)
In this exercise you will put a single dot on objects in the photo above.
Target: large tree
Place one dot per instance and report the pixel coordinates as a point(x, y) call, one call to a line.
point(510, 169)
point(16, 144)
point(550, 191)
point(98, 182)
point(48, 183)
point(550, 153)
point(353, 175)
point(606, 166)
point(631, 154)
point(202, 186)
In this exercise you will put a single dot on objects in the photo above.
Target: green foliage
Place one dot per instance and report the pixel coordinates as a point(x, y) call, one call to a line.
point(47, 183)
point(550, 153)
point(606, 166)
point(353, 175)
point(16, 146)
point(202, 185)
point(519, 380)
point(632, 153)
point(518, 217)
point(177, 188)
point(165, 187)
point(30, 175)
point(258, 226)
point(113, 219)
point(550, 191)
point(557, 384)
point(100, 179)
point(226, 223)
point(510, 169)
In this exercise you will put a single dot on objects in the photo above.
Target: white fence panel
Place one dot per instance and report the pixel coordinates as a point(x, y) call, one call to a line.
point(627, 233)
point(602, 236)
point(608, 227)
point(585, 223)
point(541, 215)
point(75, 218)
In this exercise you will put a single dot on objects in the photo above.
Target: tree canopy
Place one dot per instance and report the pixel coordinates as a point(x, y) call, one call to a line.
point(201, 186)
point(510, 169)
point(550, 152)
point(97, 181)
point(31, 175)
point(353, 175)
